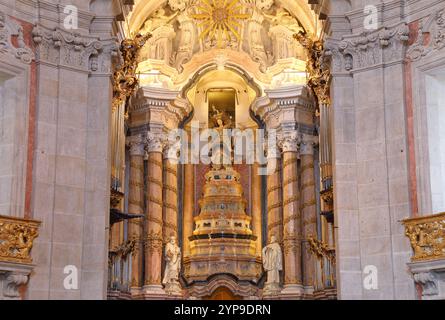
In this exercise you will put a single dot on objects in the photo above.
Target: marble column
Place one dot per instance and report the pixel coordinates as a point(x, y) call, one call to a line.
point(189, 206)
point(136, 206)
point(153, 227)
point(291, 217)
point(170, 196)
point(256, 207)
point(274, 200)
point(308, 208)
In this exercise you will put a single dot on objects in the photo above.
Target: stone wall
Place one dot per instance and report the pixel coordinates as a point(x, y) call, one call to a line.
point(374, 171)
point(70, 143)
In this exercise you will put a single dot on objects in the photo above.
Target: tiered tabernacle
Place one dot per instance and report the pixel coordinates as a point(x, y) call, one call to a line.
point(222, 241)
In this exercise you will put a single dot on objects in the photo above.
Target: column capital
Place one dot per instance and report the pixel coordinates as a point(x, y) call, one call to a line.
point(171, 151)
point(137, 145)
point(288, 141)
point(307, 144)
point(155, 142)
point(272, 152)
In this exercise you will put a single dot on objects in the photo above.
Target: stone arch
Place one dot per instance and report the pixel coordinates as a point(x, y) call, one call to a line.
point(241, 289)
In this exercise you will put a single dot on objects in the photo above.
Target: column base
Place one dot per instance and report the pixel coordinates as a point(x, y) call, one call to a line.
point(271, 290)
point(173, 289)
point(153, 291)
point(292, 291)
point(135, 291)
point(309, 290)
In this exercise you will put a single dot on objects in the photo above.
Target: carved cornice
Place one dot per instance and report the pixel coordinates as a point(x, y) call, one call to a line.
point(360, 51)
point(17, 238)
point(87, 53)
point(9, 29)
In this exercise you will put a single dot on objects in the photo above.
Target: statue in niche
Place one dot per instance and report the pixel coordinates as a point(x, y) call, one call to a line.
point(172, 256)
point(221, 153)
point(272, 264)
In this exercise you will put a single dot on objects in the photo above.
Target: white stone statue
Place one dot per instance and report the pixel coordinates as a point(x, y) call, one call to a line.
point(172, 256)
point(284, 18)
point(272, 264)
point(157, 20)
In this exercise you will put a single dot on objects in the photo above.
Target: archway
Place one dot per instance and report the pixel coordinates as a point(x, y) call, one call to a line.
point(223, 293)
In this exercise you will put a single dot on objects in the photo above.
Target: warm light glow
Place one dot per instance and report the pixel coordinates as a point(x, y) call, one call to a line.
point(219, 19)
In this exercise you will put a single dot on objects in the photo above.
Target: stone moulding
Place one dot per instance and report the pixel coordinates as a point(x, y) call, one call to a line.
point(361, 51)
point(16, 239)
point(427, 237)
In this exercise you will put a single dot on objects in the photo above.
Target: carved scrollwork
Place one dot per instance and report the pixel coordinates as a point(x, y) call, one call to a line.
point(321, 249)
point(8, 29)
point(16, 239)
point(125, 81)
point(319, 74)
point(430, 37)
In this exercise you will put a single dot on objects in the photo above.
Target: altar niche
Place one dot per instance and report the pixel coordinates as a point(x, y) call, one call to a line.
point(221, 101)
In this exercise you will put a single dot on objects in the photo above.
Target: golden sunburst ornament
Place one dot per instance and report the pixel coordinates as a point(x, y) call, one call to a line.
point(220, 19)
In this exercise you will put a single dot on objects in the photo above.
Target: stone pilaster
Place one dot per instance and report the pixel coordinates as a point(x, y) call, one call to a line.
point(153, 226)
point(308, 209)
point(291, 217)
point(136, 206)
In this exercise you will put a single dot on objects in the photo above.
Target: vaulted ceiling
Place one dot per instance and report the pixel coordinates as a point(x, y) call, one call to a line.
point(307, 12)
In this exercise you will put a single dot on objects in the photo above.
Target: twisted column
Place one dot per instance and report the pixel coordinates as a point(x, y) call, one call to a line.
point(308, 207)
point(153, 226)
point(256, 207)
point(136, 206)
point(189, 204)
point(274, 203)
point(170, 193)
point(291, 216)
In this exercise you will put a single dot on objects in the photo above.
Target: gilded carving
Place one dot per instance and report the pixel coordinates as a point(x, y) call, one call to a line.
point(427, 237)
point(125, 81)
point(17, 238)
point(319, 74)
